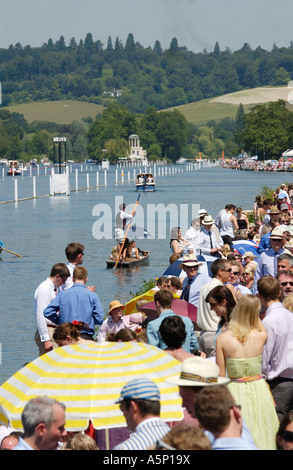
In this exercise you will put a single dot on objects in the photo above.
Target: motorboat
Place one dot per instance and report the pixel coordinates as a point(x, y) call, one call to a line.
point(145, 182)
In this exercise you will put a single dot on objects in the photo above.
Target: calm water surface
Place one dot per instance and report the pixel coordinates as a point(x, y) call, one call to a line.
point(40, 229)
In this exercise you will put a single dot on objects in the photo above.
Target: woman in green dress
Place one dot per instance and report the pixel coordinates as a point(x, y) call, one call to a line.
point(239, 355)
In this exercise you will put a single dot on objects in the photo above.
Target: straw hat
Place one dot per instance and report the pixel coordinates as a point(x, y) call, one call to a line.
point(249, 254)
point(199, 372)
point(208, 220)
point(189, 260)
point(274, 210)
point(277, 233)
point(115, 304)
point(202, 212)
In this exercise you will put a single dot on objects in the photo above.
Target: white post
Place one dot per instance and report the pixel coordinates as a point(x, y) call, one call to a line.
point(134, 175)
point(116, 176)
point(87, 181)
point(129, 176)
point(97, 178)
point(45, 170)
point(105, 177)
point(34, 187)
point(30, 170)
point(122, 176)
point(38, 166)
point(76, 179)
point(16, 190)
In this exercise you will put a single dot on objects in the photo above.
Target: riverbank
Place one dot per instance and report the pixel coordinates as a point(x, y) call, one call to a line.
point(40, 229)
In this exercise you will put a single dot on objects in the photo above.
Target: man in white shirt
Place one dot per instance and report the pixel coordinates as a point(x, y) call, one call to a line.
point(74, 253)
point(44, 294)
point(192, 234)
point(277, 363)
point(208, 243)
point(120, 224)
point(207, 319)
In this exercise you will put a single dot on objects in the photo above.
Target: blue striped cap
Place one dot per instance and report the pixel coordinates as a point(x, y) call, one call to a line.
point(140, 389)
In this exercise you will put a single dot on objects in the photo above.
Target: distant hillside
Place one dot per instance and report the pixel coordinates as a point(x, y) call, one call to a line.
point(200, 112)
point(138, 76)
point(61, 112)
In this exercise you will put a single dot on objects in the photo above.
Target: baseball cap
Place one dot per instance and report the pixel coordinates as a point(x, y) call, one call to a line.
point(139, 389)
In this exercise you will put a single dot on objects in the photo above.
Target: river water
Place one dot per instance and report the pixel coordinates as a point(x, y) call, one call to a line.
point(39, 229)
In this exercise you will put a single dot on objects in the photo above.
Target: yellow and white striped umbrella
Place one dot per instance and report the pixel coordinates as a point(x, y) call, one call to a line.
point(88, 379)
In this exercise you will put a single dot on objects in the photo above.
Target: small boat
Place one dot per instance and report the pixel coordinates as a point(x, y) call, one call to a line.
point(129, 261)
point(14, 169)
point(181, 161)
point(145, 182)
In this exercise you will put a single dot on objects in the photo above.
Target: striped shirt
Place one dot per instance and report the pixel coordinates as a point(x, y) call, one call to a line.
point(146, 434)
point(277, 359)
point(266, 266)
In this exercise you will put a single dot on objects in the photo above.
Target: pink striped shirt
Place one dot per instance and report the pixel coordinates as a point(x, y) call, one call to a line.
point(277, 359)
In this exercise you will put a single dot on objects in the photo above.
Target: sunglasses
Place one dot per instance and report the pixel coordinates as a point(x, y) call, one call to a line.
point(287, 436)
point(227, 270)
point(233, 273)
point(286, 283)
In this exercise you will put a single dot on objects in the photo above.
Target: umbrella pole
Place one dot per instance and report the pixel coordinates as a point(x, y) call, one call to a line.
point(128, 227)
point(107, 439)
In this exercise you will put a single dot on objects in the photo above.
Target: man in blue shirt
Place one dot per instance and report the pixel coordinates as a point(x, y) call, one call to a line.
point(194, 280)
point(268, 264)
point(217, 412)
point(77, 303)
point(163, 300)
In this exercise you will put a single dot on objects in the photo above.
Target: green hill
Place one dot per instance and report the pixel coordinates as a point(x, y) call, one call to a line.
point(200, 112)
point(61, 112)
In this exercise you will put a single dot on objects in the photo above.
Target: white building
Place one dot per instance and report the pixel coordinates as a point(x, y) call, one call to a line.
point(136, 152)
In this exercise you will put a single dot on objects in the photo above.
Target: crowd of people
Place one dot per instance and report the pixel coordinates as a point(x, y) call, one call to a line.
point(236, 380)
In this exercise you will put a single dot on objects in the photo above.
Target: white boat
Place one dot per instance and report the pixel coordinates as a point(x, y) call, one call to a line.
point(3, 161)
point(145, 182)
point(181, 161)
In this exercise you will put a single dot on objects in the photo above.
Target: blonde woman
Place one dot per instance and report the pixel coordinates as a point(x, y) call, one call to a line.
point(239, 351)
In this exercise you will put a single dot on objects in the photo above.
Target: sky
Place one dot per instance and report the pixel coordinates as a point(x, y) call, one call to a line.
point(197, 24)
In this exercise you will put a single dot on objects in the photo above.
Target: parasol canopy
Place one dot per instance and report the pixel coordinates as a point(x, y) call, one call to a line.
point(180, 307)
point(88, 379)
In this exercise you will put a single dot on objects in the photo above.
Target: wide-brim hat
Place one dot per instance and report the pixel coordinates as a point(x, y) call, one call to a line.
point(115, 304)
point(277, 233)
point(274, 210)
point(199, 372)
point(249, 254)
point(202, 212)
point(208, 220)
point(189, 260)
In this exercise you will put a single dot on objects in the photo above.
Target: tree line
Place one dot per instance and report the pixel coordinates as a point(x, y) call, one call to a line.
point(267, 130)
point(136, 76)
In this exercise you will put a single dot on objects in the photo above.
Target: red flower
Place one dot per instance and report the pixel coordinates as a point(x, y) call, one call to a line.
point(75, 322)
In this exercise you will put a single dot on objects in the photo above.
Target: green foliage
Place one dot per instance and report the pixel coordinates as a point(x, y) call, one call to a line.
point(147, 285)
point(268, 127)
point(267, 193)
point(86, 69)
